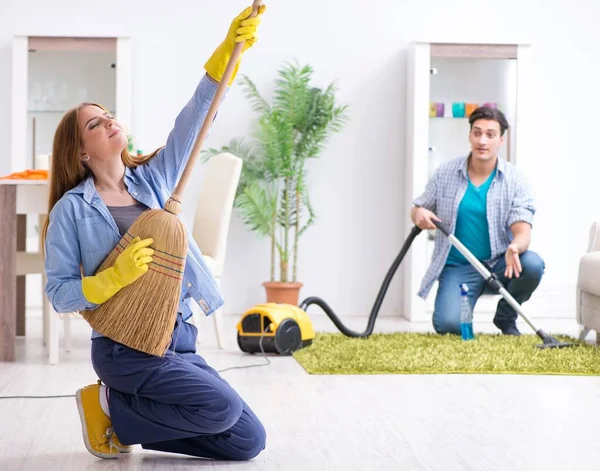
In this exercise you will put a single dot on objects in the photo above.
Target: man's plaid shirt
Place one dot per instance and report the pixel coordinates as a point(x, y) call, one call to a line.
point(509, 200)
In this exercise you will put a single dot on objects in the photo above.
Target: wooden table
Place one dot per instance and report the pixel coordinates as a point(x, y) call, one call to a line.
point(17, 199)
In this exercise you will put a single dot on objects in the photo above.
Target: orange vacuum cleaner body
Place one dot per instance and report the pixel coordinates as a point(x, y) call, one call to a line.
point(274, 328)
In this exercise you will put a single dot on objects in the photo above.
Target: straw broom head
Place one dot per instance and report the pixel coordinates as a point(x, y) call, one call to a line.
point(142, 315)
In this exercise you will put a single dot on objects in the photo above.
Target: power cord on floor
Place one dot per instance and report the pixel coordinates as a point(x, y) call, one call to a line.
point(36, 397)
point(241, 367)
point(268, 362)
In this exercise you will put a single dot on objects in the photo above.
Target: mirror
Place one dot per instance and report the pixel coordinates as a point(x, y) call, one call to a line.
point(63, 72)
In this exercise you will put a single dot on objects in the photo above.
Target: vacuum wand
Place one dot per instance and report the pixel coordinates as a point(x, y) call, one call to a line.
point(484, 272)
point(493, 281)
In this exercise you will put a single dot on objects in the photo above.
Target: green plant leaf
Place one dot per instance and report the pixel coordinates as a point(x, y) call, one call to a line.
point(259, 104)
point(255, 206)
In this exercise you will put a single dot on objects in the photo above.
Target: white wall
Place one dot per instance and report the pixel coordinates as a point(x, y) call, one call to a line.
point(357, 183)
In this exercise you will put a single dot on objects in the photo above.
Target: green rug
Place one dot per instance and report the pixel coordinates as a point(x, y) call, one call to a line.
point(425, 353)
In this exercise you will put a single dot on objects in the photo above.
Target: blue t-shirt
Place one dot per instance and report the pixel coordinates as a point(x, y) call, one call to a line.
point(472, 225)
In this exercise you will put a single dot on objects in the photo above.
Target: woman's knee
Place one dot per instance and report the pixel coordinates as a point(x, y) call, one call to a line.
point(224, 412)
point(254, 438)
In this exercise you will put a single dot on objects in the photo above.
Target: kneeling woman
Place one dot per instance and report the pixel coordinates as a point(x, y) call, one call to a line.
point(176, 403)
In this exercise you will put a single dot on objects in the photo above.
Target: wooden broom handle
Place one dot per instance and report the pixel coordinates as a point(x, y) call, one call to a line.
point(212, 111)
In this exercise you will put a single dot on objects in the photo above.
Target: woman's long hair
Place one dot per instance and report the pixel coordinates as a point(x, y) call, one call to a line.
point(67, 170)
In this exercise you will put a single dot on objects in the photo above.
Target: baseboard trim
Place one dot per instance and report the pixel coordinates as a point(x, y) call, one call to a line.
point(551, 301)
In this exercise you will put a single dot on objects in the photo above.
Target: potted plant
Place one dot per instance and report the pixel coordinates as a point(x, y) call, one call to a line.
point(272, 198)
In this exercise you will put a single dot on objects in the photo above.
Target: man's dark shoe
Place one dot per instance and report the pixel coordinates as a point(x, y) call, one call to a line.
point(507, 327)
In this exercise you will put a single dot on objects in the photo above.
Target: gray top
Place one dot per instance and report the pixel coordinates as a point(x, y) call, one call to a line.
point(124, 216)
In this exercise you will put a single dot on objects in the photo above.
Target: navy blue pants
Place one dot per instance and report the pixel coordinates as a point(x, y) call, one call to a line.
point(176, 403)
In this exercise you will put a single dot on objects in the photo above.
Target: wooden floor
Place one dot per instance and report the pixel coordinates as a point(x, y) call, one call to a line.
point(409, 423)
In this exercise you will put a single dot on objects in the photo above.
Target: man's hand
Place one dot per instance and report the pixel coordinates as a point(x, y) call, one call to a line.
point(424, 218)
point(513, 262)
point(520, 243)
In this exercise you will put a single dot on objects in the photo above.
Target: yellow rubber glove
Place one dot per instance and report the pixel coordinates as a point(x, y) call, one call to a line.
point(242, 29)
point(129, 266)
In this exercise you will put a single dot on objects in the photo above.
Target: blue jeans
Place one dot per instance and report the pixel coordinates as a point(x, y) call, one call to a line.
point(176, 403)
point(446, 315)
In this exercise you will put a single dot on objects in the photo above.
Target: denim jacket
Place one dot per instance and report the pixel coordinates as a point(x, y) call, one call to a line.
point(82, 232)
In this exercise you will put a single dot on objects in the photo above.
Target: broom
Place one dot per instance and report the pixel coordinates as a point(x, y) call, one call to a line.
point(142, 314)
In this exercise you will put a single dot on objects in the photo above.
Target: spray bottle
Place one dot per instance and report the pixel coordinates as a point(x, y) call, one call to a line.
point(466, 313)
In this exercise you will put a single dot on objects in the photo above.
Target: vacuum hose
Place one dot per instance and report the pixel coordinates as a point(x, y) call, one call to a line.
point(382, 291)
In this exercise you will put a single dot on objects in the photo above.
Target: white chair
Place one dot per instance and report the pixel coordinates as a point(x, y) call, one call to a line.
point(29, 263)
point(588, 286)
point(213, 216)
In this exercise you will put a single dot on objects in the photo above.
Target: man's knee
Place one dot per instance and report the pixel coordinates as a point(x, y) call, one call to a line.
point(533, 265)
point(446, 328)
point(446, 324)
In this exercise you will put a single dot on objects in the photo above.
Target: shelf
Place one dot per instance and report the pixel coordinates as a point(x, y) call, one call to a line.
point(448, 118)
point(47, 111)
point(54, 111)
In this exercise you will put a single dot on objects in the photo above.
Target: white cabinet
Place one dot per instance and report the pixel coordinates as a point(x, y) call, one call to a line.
point(443, 78)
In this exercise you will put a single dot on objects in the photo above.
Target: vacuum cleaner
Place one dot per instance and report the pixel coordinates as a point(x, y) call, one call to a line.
point(284, 328)
point(274, 328)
